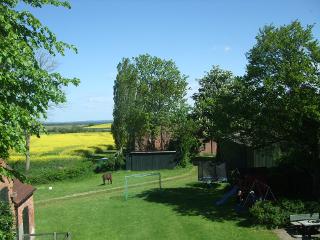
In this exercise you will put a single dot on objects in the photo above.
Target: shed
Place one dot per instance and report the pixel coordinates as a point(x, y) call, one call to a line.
point(241, 156)
point(154, 160)
point(20, 198)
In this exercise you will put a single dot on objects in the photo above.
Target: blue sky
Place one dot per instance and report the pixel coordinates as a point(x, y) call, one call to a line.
point(196, 34)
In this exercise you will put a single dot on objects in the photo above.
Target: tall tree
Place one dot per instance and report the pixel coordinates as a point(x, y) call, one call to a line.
point(26, 89)
point(148, 92)
point(124, 95)
point(161, 93)
point(212, 103)
point(283, 78)
point(47, 63)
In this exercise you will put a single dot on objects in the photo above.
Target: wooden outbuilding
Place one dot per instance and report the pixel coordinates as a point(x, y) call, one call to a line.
point(19, 196)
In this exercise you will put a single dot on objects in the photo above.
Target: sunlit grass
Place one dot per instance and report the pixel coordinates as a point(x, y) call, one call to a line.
point(183, 209)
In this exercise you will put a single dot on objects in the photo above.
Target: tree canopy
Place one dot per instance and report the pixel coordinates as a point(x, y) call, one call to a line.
point(278, 98)
point(148, 94)
point(283, 79)
point(26, 89)
point(210, 105)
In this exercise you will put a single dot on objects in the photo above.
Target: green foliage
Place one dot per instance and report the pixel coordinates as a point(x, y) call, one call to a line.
point(114, 163)
point(27, 89)
point(184, 139)
point(283, 83)
point(6, 222)
point(52, 171)
point(277, 100)
point(119, 161)
point(148, 92)
point(269, 214)
point(110, 147)
point(276, 214)
point(124, 96)
point(74, 129)
point(213, 102)
point(11, 173)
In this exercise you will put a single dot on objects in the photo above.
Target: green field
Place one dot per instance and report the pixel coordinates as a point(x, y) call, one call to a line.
point(183, 209)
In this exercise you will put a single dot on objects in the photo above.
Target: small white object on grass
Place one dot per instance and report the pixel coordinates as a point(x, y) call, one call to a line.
point(50, 188)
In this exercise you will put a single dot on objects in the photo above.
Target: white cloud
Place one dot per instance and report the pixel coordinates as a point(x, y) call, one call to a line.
point(227, 48)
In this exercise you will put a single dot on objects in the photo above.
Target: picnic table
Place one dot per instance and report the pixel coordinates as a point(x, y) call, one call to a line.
point(308, 225)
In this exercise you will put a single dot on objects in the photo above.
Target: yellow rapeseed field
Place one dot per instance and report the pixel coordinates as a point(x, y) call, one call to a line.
point(66, 146)
point(103, 125)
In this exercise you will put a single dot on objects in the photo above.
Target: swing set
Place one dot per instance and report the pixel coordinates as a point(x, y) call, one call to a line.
point(258, 191)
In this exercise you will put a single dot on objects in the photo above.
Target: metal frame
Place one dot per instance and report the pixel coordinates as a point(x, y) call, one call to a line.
point(138, 175)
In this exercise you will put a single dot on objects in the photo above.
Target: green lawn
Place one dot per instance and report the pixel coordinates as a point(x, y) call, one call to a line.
point(183, 209)
point(93, 182)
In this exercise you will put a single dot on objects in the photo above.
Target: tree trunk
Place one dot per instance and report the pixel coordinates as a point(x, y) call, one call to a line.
point(27, 136)
point(218, 153)
point(161, 139)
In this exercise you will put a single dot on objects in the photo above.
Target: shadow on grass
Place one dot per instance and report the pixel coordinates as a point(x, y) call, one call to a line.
point(197, 199)
point(83, 152)
point(96, 152)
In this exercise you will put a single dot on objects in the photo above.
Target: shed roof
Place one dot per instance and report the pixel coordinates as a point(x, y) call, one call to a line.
point(22, 192)
point(152, 152)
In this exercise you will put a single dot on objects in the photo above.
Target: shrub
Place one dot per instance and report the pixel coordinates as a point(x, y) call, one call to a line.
point(110, 147)
point(119, 161)
point(267, 213)
point(103, 166)
point(6, 222)
point(98, 150)
point(52, 173)
point(276, 214)
point(115, 162)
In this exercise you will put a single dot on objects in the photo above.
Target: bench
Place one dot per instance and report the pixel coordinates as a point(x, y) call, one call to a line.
point(294, 219)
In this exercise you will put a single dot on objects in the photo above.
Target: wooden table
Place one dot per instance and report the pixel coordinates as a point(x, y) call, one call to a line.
point(308, 225)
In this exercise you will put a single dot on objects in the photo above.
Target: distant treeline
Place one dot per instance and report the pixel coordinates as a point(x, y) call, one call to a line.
point(74, 129)
point(83, 123)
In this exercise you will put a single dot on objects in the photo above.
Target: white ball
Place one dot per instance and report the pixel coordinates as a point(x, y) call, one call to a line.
point(50, 188)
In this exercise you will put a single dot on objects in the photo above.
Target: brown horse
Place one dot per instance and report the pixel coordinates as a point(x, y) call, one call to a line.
point(108, 177)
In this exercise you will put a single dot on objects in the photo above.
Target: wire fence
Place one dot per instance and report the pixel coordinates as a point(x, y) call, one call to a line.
point(48, 236)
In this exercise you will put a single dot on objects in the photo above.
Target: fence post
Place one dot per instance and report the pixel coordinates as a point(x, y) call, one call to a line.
point(160, 180)
point(55, 236)
point(126, 188)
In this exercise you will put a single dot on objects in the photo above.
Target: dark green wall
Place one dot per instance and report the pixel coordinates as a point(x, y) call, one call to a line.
point(139, 161)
